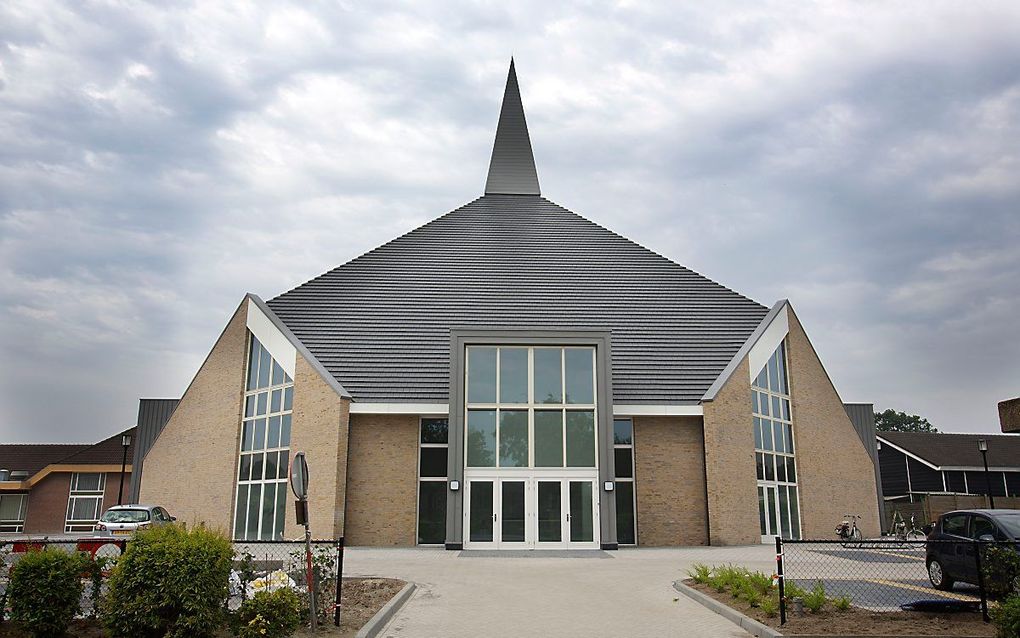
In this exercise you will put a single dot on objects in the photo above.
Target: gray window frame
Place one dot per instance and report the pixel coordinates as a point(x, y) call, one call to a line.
point(460, 338)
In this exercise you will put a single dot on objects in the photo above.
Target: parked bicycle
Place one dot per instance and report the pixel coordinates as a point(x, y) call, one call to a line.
point(904, 532)
point(848, 532)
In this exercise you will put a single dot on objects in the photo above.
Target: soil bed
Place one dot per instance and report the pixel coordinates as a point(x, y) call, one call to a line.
point(360, 600)
point(859, 622)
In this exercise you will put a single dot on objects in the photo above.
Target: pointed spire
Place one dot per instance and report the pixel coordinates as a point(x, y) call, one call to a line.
point(512, 167)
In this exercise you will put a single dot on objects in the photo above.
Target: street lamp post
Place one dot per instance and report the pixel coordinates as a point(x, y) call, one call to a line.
point(125, 441)
point(983, 446)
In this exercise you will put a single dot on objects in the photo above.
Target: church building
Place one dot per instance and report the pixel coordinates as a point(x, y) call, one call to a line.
point(511, 375)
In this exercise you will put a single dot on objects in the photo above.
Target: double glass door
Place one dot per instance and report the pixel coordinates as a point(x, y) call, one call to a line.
point(531, 513)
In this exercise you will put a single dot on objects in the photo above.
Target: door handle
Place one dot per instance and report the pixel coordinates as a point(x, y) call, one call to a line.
point(494, 517)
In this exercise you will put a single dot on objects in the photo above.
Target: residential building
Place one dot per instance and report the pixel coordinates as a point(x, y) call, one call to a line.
point(512, 375)
point(57, 489)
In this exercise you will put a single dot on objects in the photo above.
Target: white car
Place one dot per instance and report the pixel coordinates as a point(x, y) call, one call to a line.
point(125, 520)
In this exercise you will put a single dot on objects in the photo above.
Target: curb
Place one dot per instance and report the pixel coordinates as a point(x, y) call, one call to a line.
point(376, 623)
point(749, 625)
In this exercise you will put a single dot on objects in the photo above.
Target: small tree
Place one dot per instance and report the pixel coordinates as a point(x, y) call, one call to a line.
point(45, 591)
point(893, 421)
point(169, 582)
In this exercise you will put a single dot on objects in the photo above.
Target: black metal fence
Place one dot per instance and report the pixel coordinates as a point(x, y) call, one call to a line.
point(894, 575)
point(257, 566)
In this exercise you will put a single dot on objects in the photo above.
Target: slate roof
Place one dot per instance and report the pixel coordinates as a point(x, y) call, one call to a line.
point(32, 457)
point(959, 450)
point(381, 323)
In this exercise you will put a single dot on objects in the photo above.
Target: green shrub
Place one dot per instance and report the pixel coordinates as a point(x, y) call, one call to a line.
point(1001, 570)
point(45, 591)
point(793, 590)
point(815, 599)
point(699, 573)
point(169, 582)
point(770, 605)
point(1007, 618)
point(270, 614)
point(762, 583)
point(842, 603)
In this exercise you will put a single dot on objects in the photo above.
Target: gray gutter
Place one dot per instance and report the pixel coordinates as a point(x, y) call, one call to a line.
point(731, 367)
point(300, 347)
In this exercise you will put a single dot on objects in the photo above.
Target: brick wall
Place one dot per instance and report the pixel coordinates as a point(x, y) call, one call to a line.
point(319, 429)
point(382, 480)
point(835, 473)
point(112, 485)
point(191, 468)
point(669, 460)
point(47, 504)
point(729, 460)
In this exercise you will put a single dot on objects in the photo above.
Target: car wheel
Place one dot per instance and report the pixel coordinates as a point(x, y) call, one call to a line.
point(938, 576)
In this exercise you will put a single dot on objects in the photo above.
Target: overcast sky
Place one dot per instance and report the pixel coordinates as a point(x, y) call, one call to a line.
point(861, 159)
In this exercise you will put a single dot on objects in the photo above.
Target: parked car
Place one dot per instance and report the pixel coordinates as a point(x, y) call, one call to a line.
point(950, 549)
point(125, 520)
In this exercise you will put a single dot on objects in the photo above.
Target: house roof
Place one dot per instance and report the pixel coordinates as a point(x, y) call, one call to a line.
point(32, 457)
point(380, 324)
point(958, 450)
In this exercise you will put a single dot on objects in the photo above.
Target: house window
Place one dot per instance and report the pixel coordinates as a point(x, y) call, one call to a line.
point(85, 502)
point(778, 505)
point(530, 407)
point(626, 504)
point(12, 512)
point(264, 454)
point(433, 455)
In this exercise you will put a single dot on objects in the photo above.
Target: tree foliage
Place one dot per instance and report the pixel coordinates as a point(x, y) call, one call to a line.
point(893, 421)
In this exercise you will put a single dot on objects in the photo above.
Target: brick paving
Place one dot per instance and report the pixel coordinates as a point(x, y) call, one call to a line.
point(630, 595)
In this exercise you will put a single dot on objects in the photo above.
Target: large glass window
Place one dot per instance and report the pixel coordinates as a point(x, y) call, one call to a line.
point(12, 512)
point(264, 455)
point(775, 460)
point(530, 406)
point(433, 450)
point(85, 501)
point(626, 506)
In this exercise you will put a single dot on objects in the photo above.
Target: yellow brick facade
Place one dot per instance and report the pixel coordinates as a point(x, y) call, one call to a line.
point(669, 471)
point(835, 471)
point(382, 480)
point(191, 468)
point(729, 463)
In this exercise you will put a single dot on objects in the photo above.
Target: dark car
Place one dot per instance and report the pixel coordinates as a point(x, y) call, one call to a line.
point(951, 547)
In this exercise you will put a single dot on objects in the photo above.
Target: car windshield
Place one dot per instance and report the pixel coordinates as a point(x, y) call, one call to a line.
point(1011, 523)
point(126, 516)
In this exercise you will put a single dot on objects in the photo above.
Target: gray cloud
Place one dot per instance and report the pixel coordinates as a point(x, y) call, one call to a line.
point(156, 163)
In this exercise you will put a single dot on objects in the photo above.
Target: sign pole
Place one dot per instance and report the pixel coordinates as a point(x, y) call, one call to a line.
point(299, 485)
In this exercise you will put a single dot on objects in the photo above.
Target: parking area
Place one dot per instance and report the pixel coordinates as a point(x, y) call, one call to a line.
point(878, 576)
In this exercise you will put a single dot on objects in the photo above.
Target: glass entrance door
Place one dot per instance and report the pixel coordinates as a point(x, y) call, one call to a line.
point(531, 513)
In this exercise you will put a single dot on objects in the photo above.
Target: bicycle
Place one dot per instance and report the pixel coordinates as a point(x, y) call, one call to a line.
point(904, 533)
point(848, 532)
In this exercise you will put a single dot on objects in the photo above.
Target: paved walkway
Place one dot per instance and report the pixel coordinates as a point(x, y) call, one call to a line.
point(630, 594)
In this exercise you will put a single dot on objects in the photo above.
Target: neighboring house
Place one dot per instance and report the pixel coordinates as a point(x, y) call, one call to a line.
point(512, 375)
point(1009, 415)
point(916, 464)
point(62, 488)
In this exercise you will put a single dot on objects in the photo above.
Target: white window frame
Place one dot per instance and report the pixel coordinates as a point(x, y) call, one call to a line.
point(75, 494)
point(632, 479)
point(281, 483)
point(785, 401)
point(15, 525)
point(428, 479)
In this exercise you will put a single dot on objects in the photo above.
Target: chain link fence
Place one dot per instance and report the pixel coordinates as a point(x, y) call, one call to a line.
point(893, 575)
point(257, 566)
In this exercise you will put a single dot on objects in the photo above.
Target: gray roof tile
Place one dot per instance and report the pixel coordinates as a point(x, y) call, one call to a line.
point(381, 323)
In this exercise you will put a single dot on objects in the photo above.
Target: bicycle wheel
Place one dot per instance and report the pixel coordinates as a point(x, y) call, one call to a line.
point(856, 538)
